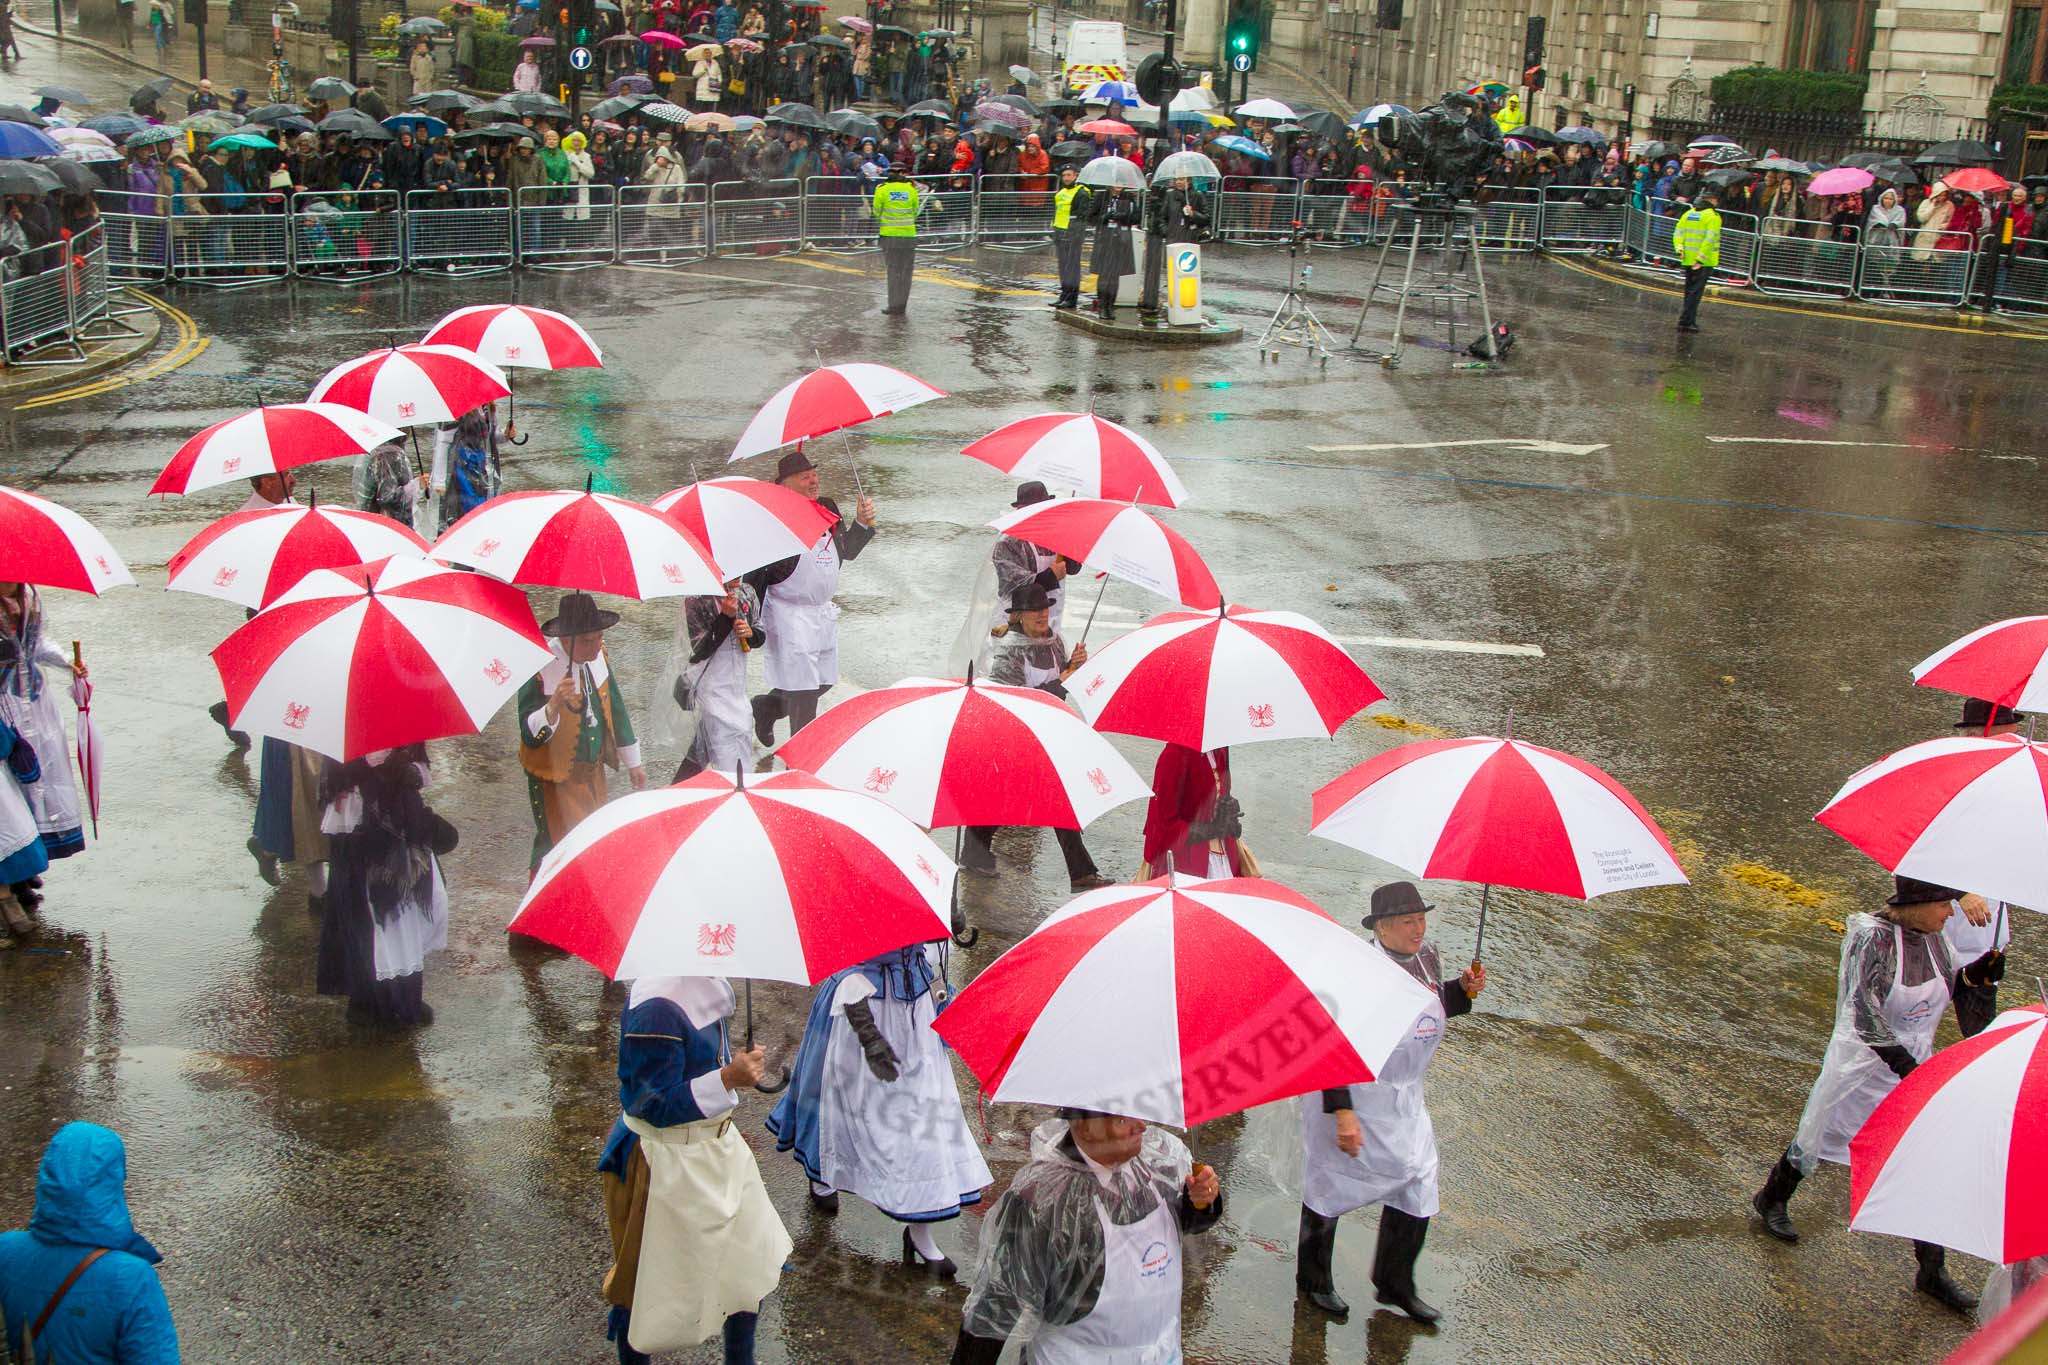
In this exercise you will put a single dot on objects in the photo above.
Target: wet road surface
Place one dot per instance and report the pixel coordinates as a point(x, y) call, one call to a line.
point(1724, 624)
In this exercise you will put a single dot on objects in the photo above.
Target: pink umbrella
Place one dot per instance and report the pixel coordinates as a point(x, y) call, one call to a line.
point(1111, 126)
point(655, 37)
point(1082, 452)
point(857, 24)
point(88, 740)
point(1841, 180)
point(537, 40)
point(1121, 541)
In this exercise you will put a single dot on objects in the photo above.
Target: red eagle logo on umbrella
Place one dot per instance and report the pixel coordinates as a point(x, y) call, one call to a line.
point(511, 353)
point(485, 548)
point(497, 672)
point(407, 409)
point(295, 715)
point(1100, 781)
point(225, 576)
point(879, 780)
point(231, 465)
point(672, 572)
point(717, 940)
point(1260, 715)
point(1094, 685)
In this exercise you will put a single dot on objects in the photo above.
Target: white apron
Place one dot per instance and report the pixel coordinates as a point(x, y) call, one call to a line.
point(710, 1245)
point(1970, 942)
point(803, 623)
point(725, 720)
point(1854, 1079)
point(1137, 1315)
point(1397, 1165)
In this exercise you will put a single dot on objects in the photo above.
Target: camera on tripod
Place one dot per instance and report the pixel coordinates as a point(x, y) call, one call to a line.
point(1450, 143)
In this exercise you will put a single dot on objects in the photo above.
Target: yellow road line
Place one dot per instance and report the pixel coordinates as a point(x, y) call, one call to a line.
point(189, 345)
point(1719, 296)
point(928, 276)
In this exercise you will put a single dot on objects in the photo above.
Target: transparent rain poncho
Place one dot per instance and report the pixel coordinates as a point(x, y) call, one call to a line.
point(2009, 1282)
point(1894, 984)
point(1042, 1249)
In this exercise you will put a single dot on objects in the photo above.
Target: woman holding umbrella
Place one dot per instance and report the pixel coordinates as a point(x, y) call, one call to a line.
point(1897, 975)
point(29, 708)
point(1375, 1143)
point(1193, 824)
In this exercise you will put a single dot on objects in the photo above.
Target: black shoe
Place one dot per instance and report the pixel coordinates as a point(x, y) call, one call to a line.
point(1325, 1299)
point(316, 904)
point(827, 1204)
point(1092, 882)
point(980, 869)
point(426, 1014)
point(1777, 1221)
point(764, 719)
point(25, 892)
point(1933, 1280)
point(1407, 1302)
point(266, 862)
point(943, 1267)
point(219, 712)
point(1688, 326)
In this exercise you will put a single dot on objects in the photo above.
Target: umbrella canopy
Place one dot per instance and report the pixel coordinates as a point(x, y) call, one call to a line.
point(1966, 811)
point(20, 140)
point(1105, 127)
point(1204, 680)
point(271, 113)
point(1186, 165)
point(1322, 123)
point(1977, 180)
point(28, 177)
point(1174, 977)
point(149, 136)
point(633, 84)
point(1111, 93)
point(1121, 541)
point(413, 386)
point(1072, 151)
point(1580, 133)
point(1084, 453)
point(246, 141)
point(1242, 145)
point(443, 102)
point(63, 94)
point(828, 400)
point(150, 92)
point(946, 752)
point(51, 546)
point(1497, 811)
point(1195, 98)
point(14, 113)
point(1962, 153)
point(328, 89)
point(709, 120)
point(1263, 108)
point(995, 111)
point(1023, 75)
point(115, 126)
point(857, 24)
point(422, 26)
point(516, 335)
point(854, 124)
point(2005, 662)
point(748, 45)
point(1378, 112)
point(588, 542)
point(1957, 1153)
point(1113, 173)
point(663, 112)
point(746, 523)
point(419, 125)
point(1719, 154)
point(1779, 163)
point(494, 132)
point(1727, 177)
point(1652, 149)
point(783, 879)
point(1541, 137)
point(1893, 171)
point(71, 175)
point(1841, 180)
point(618, 106)
point(929, 109)
point(252, 558)
point(354, 123)
point(823, 40)
point(521, 103)
point(83, 144)
point(269, 439)
point(400, 651)
point(1198, 118)
point(796, 115)
point(536, 40)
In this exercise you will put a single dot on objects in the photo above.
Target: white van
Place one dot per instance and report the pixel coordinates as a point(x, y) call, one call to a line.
point(1094, 52)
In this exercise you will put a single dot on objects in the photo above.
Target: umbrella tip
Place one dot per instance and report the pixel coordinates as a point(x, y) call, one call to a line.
point(739, 775)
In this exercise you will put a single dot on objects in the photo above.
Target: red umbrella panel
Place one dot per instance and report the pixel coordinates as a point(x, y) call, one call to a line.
point(1084, 454)
point(587, 542)
point(51, 546)
point(2005, 662)
point(270, 439)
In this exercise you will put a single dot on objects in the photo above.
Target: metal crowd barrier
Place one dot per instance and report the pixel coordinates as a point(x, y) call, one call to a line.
point(37, 307)
point(1739, 240)
point(1512, 220)
point(1012, 217)
point(946, 221)
point(229, 241)
point(1329, 219)
point(2024, 285)
point(1930, 277)
point(138, 244)
point(89, 267)
point(1569, 223)
point(567, 227)
point(472, 235)
point(762, 219)
point(1787, 264)
point(1258, 209)
point(343, 236)
point(663, 225)
point(839, 218)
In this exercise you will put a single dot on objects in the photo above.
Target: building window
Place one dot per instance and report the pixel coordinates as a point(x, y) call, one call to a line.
point(2023, 46)
point(1830, 35)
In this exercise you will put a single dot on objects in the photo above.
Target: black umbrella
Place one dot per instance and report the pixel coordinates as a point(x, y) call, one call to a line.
point(295, 123)
point(442, 102)
point(1017, 102)
point(14, 113)
point(356, 124)
point(328, 89)
point(273, 113)
point(495, 132)
point(63, 94)
point(880, 29)
point(827, 40)
point(75, 177)
point(1063, 105)
point(854, 123)
point(1536, 137)
point(797, 115)
point(1962, 153)
point(149, 92)
point(27, 177)
point(521, 103)
point(1078, 151)
point(929, 109)
point(618, 106)
point(1863, 161)
point(1892, 171)
point(1322, 123)
point(1728, 177)
point(1652, 149)
point(999, 129)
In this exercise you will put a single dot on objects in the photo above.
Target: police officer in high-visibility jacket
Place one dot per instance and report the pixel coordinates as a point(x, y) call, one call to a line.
point(1697, 239)
point(896, 207)
point(1072, 206)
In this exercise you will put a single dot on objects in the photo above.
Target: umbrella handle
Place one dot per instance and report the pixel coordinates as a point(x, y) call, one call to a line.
point(1090, 625)
point(77, 656)
point(963, 934)
point(1485, 894)
point(776, 1086)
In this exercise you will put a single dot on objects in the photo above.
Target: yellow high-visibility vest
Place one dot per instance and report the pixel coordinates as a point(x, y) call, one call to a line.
point(1063, 206)
point(896, 208)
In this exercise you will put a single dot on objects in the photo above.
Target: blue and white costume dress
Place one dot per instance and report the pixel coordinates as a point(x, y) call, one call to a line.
point(29, 708)
point(903, 1145)
point(22, 854)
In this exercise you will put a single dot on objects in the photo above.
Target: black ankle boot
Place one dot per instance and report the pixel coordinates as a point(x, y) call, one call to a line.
point(1933, 1280)
point(1769, 1202)
point(1314, 1248)
point(1393, 1264)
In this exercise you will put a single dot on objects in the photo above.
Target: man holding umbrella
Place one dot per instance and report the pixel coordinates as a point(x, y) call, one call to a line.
point(573, 724)
point(1980, 926)
point(896, 206)
point(1375, 1143)
point(1083, 1249)
point(1072, 208)
point(1896, 979)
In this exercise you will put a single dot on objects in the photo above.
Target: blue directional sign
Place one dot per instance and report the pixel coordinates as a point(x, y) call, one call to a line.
point(579, 59)
point(1241, 61)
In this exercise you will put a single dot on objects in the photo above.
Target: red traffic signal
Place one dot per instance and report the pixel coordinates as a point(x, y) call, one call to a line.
point(1533, 77)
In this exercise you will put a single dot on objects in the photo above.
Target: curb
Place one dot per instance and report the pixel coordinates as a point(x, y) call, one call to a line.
point(1848, 308)
point(1209, 334)
point(17, 383)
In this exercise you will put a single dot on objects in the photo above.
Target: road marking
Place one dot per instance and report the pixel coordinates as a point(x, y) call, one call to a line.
point(1805, 441)
point(928, 276)
point(1533, 447)
point(669, 271)
point(1720, 296)
point(190, 344)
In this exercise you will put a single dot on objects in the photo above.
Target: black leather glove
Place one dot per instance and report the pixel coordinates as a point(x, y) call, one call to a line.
point(881, 1057)
point(1987, 970)
point(1897, 1058)
point(1229, 817)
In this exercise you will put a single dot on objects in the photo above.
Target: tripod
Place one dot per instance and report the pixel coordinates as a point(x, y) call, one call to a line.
point(1294, 322)
point(1444, 281)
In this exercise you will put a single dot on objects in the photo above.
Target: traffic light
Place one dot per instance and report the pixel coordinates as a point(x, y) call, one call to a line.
point(1241, 40)
point(1159, 80)
point(1533, 78)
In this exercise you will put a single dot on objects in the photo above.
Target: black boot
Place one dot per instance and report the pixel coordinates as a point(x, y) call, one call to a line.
point(219, 712)
point(1313, 1250)
point(1769, 1202)
point(1393, 1264)
point(1933, 1280)
point(766, 711)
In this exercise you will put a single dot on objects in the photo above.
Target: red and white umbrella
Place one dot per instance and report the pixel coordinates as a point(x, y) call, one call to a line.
point(946, 752)
point(1968, 811)
point(88, 745)
point(1957, 1153)
point(1122, 542)
point(1206, 680)
point(1180, 1000)
point(746, 523)
point(1498, 811)
point(51, 546)
point(1083, 453)
point(511, 334)
point(413, 385)
point(784, 879)
point(350, 661)
point(2005, 662)
point(270, 439)
point(250, 558)
point(830, 399)
point(591, 542)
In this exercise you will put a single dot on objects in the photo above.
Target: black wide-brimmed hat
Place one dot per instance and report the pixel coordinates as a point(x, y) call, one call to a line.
point(1395, 898)
point(1031, 492)
point(1978, 713)
point(578, 614)
point(1030, 597)
point(1913, 891)
point(792, 462)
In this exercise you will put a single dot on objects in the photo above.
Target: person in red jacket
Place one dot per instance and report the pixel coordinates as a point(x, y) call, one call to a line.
point(1194, 824)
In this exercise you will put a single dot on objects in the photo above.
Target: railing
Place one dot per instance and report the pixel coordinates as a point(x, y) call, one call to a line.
point(1258, 209)
point(463, 232)
point(347, 236)
point(664, 225)
point(564, 227)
